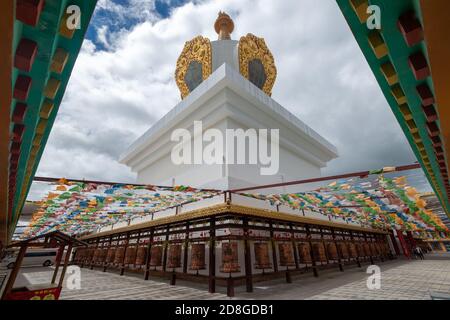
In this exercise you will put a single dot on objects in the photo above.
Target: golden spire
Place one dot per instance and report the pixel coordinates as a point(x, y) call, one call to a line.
point(224, 26)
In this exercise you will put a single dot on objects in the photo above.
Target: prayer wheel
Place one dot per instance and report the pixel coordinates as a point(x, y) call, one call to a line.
point(286, 254)
point(304, 253)
point(141, 254)
point(110, 255)
point(96, 254)
point(77, 256)
point(174, 256)
point(373, 249)
point(360, 250)
point(382, 249)
point(86, 254)
point(198, 256)
point(102, 255)
point(83, 253)
point(230, 261)
point(156, 256)
point(378, 249)
point(366, 249)
point(386, 248)
point(344, 250)
point(332, 251)
point(319, 252)
point(120, 253)
point(262, 260)
point(352, 250)
point(90, 255)
point(130, 255)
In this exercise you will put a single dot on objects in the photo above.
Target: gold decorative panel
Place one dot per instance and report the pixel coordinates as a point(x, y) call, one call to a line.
point(253, 48)
point(198, 49)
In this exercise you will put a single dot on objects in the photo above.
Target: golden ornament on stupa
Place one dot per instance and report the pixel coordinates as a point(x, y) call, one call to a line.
point(224, 26)
point(250, 56)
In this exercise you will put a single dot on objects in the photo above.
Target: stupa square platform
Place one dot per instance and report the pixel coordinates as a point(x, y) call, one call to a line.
point(226, 100)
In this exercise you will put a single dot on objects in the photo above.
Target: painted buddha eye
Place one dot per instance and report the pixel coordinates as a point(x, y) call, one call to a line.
point(256, 62)
point(256, 73)
point(194, 75)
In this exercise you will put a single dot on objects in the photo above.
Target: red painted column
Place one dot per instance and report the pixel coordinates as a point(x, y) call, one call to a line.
point(394, 242)
point(403, 244)
point(411, 239)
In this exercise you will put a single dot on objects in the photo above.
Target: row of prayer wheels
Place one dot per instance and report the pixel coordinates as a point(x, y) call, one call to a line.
point(174, 256)
point(323, 251)
point(137, 256)
point(113, 255)
point(83, 255)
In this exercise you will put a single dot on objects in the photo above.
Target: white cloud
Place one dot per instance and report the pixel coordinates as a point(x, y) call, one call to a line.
point(140, 10)
point(102, 35)
point(114, 96)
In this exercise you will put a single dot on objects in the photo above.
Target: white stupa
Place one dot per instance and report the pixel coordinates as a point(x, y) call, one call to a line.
point(226, 85)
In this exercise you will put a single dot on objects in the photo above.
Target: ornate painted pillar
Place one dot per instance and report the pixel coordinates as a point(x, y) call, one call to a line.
point(412, 242)
point(394, 242)
point(403, 243)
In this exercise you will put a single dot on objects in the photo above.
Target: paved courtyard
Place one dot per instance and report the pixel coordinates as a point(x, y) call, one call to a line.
point(400, 279)
point(98, 285)
point(408, 281)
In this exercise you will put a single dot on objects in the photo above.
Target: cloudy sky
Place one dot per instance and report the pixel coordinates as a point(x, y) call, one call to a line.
point(123, 81)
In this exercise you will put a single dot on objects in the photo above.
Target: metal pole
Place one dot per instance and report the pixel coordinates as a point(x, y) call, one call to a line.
point(336, 177)
point(311, 252)
point(338, 250)
point(186, 248)
point(248, 258)
point(274, 249)
point(212, 256)
point(149, 256)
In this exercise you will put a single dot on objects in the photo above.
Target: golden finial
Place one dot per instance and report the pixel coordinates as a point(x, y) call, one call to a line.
point(224, 26)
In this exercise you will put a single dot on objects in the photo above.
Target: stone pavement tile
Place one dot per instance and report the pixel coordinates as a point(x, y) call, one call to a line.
point(407, 281)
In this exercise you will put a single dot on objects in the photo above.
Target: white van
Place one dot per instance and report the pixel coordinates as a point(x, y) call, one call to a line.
point(33, 257)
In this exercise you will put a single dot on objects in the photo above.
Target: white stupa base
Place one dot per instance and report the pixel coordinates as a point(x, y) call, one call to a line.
point(226, 100)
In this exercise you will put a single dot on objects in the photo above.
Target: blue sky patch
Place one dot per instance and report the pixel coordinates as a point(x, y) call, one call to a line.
point(117, 18)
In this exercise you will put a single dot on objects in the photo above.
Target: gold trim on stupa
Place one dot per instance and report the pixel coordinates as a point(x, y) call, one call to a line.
point(198, 49)
point(250, 48)
point(256, 62)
